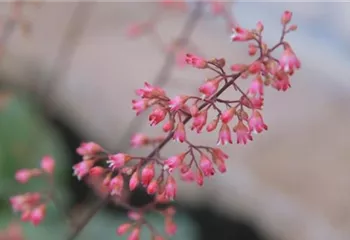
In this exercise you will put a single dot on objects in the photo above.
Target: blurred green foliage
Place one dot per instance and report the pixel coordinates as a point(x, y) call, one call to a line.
point(25, 137)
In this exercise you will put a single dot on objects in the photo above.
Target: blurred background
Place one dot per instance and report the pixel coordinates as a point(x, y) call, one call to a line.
point(68, 71)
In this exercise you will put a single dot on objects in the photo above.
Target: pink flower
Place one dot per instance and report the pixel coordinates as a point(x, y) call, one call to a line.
point(281, 82)
point(289, 61)
point(228, 115)
point(170, 226)
point(96, 171)
point(47, 164)
point(118, 160)
point(256, 122)
point(224, 135)
point(161, 198)
point(82, 168)
point(195, 61)
point(256, 86)
point(259, 27)
point(134, 181)
point(152, 187)
point(25, 216)
point(139, 105)
point(199, 178)
point(177, 102)
point(218, 153)
point(254, 102)
point(175, 161)
point(238, 67)
point(286, 17)
point(22, 202)
point(157, 115)
point(168, 126)
point(252, 49)
point(37, 215)
point(122, 229)
point(209, 87)
point(194, 110)
point(180, 133)
point(147, 174)
point(256, 67)
point(243, 133)
point(149, 91)
point(23, 175)
point(116, 185)
point(212, 125)
point(139, 140)
point(134, 215)
point(221, 165)
point(187, 174)
point(135, 234)
point(199, 121)
point(17, 202)
point(240, 34)
point(89, 148)
point(206, 165)
point(170, 188)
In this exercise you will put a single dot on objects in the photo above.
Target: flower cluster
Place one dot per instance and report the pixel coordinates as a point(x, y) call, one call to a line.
point(32, 205)
point(137, 220)
point(240, 117)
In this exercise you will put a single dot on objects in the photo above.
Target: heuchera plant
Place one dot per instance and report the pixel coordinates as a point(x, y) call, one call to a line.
point(234, 118)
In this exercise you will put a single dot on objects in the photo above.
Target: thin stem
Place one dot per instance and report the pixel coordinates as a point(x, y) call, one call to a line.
point(70, 42)
point(8, 28)
point(79, 227)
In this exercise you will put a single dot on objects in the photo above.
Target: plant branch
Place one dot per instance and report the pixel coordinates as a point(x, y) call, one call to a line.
point(80, 225)
point(8, 28)
point(67, 48)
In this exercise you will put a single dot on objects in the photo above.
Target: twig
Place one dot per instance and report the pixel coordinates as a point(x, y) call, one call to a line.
point(92, 211)
point(164, 74)
point(62, 63)
point(8, 28)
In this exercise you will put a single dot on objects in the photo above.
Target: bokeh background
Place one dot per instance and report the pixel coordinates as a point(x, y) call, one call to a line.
point(68, 71)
